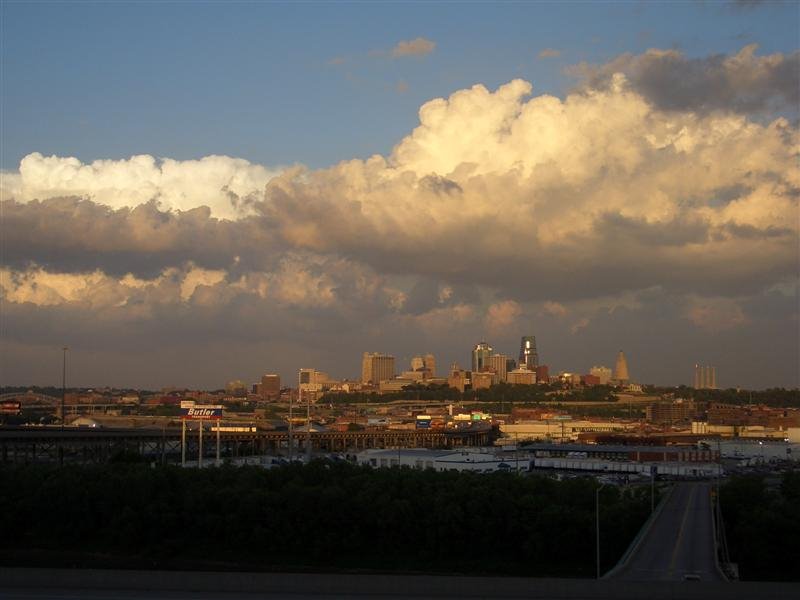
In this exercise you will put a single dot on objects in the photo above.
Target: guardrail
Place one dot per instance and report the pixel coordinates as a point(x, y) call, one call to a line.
point(634, 545)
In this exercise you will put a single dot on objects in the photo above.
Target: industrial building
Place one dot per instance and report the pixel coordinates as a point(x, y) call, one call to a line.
point(477, 460)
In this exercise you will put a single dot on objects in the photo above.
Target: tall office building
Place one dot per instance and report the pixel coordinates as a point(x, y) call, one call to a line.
point(621, 369)
point(497, 364)
point(425, 363)
point(376, 367)
point(270, 387)
point(480, 354)
point(527, 353)
point(705, 377)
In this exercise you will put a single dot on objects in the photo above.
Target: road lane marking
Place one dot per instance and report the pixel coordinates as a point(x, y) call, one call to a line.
point(689, 503)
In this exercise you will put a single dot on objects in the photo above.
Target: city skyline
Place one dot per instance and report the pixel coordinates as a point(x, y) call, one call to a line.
point(184, 213)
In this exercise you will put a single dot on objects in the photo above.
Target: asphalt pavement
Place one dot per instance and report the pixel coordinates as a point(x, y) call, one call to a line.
point(679, 546)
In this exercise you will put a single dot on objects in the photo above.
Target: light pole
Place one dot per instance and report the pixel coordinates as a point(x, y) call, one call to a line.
point(597, 525)
point(63, 386)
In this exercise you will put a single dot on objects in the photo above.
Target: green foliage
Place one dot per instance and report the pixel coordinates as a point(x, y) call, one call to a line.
point(763, 526)
point(441, 392)
point(507, 392)
point(323, 515)
point(776, 397)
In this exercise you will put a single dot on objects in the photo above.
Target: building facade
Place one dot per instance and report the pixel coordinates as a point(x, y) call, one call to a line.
point(270, 388)
point(528, 356)
point(705, 377)
point(603, 374)
point(376, 367)
point(621, 374)
point(480, 354)
point(497, 364)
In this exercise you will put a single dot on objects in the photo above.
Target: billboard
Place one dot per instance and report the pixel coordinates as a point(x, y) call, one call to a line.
point(10, 407)
point(199, 411)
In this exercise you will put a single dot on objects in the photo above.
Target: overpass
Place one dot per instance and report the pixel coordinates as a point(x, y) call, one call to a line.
point(678, 543)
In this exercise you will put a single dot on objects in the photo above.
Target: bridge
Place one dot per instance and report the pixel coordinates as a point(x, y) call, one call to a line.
point(86, 445)
point(678, 543)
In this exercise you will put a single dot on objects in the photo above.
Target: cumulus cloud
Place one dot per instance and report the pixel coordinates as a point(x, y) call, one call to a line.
point(593, 206)
point(715, 314)
point(549, 53)
point(743, 82)
point(501, 315)
point(226, 185)
point(416, 47)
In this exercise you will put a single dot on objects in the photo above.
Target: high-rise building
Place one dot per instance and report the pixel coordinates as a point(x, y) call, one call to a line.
point(426, 363)
point(602, 373)
point(621, 369)
point(480, 353)
point(376, 367)
point(270, 388)
point(705, 377)
point(457, 378)
point(430, 364)
point(527, 352)
point(497, 364)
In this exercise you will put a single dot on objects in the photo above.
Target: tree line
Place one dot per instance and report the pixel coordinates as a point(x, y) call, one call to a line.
point(775, 397)
point(322, 516)
point(762, 523)
point(496, 394)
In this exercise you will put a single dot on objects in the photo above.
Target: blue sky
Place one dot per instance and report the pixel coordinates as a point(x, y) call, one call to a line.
point(254, 80)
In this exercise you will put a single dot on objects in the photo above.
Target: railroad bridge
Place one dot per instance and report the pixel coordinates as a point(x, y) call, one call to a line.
point(85, 445)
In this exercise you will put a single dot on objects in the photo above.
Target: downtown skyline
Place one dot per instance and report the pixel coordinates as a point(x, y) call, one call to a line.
point(636, 193)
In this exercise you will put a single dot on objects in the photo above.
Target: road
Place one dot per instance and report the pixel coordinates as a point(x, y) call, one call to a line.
point(679, 543)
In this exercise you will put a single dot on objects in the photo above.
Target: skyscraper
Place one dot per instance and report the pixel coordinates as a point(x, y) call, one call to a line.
point(497, 364)
point(705, 377)
point(527, 352)
point(424, 363)
point(480, 354)
point(621, 369)
point(270, 387)
point(376, 367)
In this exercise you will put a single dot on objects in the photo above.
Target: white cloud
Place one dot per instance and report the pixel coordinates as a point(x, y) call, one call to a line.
point(416, 47)
point(219, 182)
point(502, 315)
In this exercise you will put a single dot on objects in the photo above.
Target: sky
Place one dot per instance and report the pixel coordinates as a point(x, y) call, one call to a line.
point(195, 192)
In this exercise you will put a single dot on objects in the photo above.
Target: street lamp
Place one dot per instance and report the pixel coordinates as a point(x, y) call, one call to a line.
point(597, 525)
point(63, 386)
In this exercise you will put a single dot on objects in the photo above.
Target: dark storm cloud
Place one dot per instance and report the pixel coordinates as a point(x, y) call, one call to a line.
point(74, 235)
point(743, 82)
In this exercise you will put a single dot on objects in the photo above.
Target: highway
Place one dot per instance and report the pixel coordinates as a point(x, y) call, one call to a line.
point(680, 543)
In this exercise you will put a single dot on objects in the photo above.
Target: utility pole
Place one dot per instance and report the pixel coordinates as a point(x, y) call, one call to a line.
point(300, 397)
point(597, 525)
point(63, 403)
point(63, 386)
point(308, 428)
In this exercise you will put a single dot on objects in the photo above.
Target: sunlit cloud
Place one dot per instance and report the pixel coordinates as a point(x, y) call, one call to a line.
point(416, 47)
